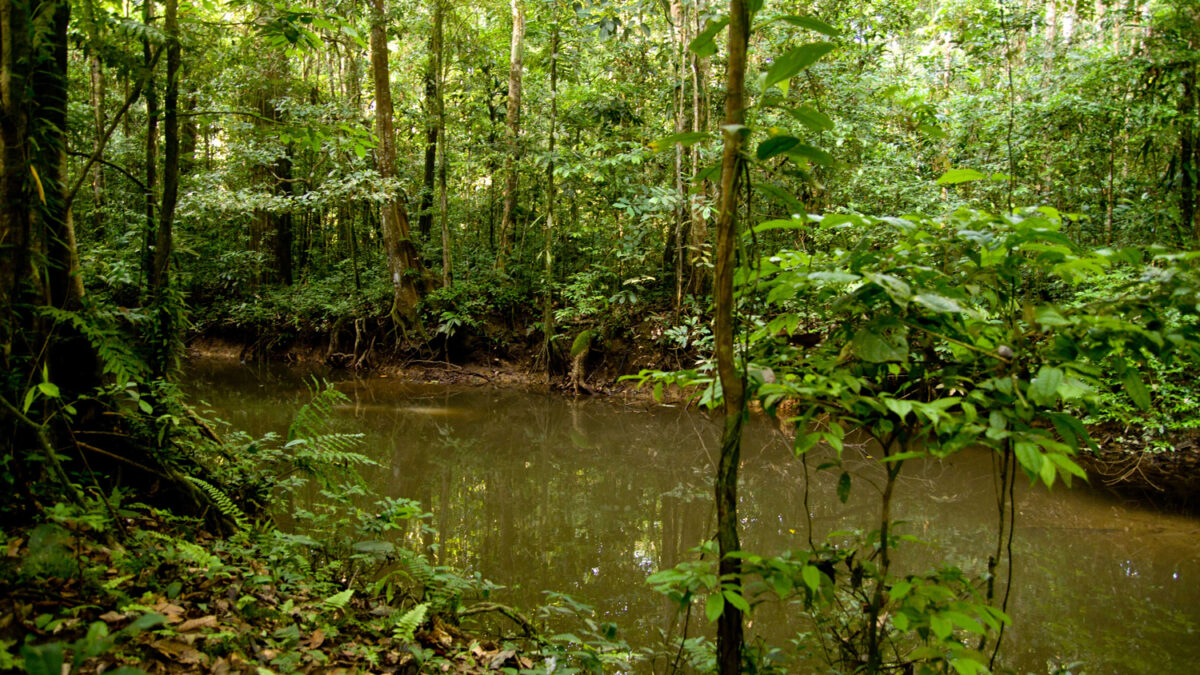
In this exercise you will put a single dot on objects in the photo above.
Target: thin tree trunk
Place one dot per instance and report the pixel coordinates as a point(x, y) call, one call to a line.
point(403, 264)
point(548, 228)
point(729, 626)
point(96, 90)
point(443, 215)
point(1187, 156)
point(160, 277)
point(698, 233)
point(512, 157)
point(432, 120)
point(151, 96)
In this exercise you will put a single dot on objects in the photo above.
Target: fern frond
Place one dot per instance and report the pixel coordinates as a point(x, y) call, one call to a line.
point(223, 503)
point(318, 449)
point(117, 357)
point(339, 601)
point(406, 625)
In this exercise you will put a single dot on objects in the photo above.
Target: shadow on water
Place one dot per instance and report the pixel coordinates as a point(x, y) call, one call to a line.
point(589, 496)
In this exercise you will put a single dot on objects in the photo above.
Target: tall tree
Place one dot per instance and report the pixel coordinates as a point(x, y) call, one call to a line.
point(513, 132)
point(733, 385)
point(403, 264)
point(432, 117)
point(38, 261)
point(551, 196)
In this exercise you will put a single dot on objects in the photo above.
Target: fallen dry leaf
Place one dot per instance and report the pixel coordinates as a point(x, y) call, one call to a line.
point(14, 548)
point(501, 658)
point(209, 621)
point(112, 617)
point(177, 652)
point(316, 639)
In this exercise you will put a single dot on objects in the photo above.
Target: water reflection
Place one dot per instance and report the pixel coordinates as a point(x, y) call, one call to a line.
point(587, 497)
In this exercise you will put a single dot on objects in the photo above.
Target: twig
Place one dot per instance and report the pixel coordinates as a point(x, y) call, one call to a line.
point(486, 607)
point(48, 450)
point(133, 96)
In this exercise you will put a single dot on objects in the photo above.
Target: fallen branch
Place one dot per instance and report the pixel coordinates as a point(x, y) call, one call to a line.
point(488, 607)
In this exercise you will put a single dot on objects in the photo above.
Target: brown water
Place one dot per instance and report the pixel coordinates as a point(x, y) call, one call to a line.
point(587, 497)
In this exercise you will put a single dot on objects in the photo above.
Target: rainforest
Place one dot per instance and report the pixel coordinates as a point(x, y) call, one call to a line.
point(599, 336)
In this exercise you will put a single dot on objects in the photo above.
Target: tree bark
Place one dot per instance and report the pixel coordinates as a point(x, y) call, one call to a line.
point(38, 260)
point(698, 233)
point(729, 627)
point(403, 264)
point(151, 95)
point(160, 276)
point(443, 211)
point(513, 133)
point(551, 196)
point(432, 116)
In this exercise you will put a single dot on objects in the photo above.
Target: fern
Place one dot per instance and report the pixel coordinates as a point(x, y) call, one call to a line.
point(318, 450)
point(223, 503)
point(117, 357)
point(338, 601)
point(406, 626)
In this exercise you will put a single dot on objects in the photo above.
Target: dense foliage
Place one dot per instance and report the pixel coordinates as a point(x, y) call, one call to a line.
point(546, 180)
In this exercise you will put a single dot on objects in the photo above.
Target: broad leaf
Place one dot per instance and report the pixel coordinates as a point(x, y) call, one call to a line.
point(812, 118)
point(1136, 388)
point(776, 145)
point(797, 59)
point(705, 44)
point(956, 176)
point(1044, 388)
point(811, 24)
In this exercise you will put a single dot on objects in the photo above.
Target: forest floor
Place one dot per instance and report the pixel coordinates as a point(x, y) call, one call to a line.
point(166, 598)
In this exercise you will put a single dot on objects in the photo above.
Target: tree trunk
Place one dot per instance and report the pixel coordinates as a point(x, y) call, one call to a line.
point(432, 116)
point(151, 95)
point(698, 233)
point(403, 264)
point(38, 260)
point(443, 215)
point(160, 274)
point(1187, 156)
point(548, 228)
point(96, 90)
point(512, 157)
point(729, 625)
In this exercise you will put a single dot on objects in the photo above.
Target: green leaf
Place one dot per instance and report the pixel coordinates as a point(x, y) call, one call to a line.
point(901, 456)
point(940, 626)
point(775, 145)
point(811, 576)
point(49, 389)
point(899, 406)
point(29, 394)
point(812, 118)
point(339, 600)
point(797, 59)
point(811, 24)
point(931, 131)
point(843, 487)
point(875, 346)
point(1044, 388)
point(686, 139)
point(811, 153)
point(736, 600)
point(44, 659)
point(956, 176)
point(714, 607)
point(704, 44)
point(939, 303)
point(1136, 388)
point(967, 666)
